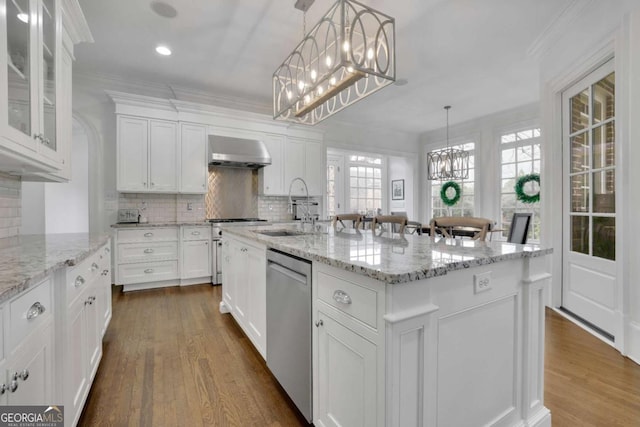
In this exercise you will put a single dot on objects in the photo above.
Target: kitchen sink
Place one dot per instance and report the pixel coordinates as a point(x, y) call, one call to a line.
point(282, 233)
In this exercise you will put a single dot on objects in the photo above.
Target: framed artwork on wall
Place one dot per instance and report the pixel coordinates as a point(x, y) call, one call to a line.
point(397, 189)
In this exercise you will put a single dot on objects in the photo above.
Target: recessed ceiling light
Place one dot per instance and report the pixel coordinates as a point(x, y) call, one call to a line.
point(401, 82)
point(163, 50)
point(164, 9)
point(23, 17)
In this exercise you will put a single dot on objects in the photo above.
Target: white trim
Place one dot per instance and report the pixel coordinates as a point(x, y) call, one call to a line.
point(584, 327)
point(633, 342)
point(402, 316)
point(75, 22)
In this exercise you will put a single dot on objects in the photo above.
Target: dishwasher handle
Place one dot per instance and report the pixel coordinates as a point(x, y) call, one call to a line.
point(287, 272)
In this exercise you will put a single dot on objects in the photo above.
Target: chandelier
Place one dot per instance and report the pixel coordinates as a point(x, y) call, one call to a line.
point(448, 163)
point(348, 55)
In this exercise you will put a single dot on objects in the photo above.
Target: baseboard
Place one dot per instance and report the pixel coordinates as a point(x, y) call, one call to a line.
point(633, 342)
point(149, 285)
point(583, 326)
point(224, 308)
point(542, 418)
point(195, 281)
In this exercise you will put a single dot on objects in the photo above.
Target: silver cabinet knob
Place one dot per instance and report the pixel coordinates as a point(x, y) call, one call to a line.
point(94, 266)
point(148, 251)
point(149, 270)
point(13, 386)
point(24, 374)
point(203, 185)
point(105, 272)
point(153, 184)
point(148, 234)
point(342, 297)
point(3, 389)
point(107, 250)
point(79, 281)
point(319, 323)
point(35, 310)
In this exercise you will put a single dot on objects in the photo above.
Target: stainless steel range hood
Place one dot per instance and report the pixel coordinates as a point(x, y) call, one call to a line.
point(237, 152)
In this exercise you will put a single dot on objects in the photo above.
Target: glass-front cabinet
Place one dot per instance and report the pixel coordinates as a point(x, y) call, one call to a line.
point(32, 44)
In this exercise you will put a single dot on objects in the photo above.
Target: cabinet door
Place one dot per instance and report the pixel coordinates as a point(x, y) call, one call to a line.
point(93, 325)
point(256, 266)
point(241, 276)
point(315, 172)
point(163, 156)
point(76, 374)
point(132, 154)
point(294, 165)
point(228, 275)
point(34, 358)
point(48, 52)
point(272, 176)
point(346, 376)
point(193, 158)
point(196, 259)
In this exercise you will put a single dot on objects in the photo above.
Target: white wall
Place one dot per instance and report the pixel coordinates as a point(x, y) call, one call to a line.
point(33, 210)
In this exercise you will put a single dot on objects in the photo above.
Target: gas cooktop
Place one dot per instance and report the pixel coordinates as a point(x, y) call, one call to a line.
point(224, 220)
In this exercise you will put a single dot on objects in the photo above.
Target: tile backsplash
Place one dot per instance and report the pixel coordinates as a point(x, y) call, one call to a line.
point(165, 207)
point(274, 208)
point(10, 205)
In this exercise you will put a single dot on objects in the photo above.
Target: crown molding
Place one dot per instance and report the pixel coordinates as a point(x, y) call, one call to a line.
point(75, 22)
point(556, 28)
point(143, 101)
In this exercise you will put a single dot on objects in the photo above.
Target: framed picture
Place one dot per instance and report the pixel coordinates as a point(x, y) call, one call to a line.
point(397, 189)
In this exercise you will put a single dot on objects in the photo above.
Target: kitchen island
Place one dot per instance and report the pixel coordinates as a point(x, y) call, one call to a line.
point(409, 331)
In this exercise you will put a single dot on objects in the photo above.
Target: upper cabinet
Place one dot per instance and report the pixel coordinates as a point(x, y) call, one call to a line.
point(272, 177)
point(193, 158)
point(35, 85)
point(147, 155)
point(303, 158)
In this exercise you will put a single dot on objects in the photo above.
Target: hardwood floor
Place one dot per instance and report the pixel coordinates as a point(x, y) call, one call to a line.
point(171, 359)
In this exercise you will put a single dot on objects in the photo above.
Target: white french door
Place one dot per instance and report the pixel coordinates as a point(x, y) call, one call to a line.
point(590, 283)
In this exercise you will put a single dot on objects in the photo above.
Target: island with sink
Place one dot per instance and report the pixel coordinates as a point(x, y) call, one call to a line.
point(406, 330)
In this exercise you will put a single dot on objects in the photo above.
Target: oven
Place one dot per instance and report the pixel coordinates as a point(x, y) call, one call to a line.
point(216, 242)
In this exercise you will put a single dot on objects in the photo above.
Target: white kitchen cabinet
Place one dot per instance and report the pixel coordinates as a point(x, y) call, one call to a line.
point(347, 372)
point(28, 373)
point(196, 255)
point(147, 153)
point(104, 289)
point(271, 177)
point(193, 158)
point(35, 82)
point(304, 159)
point(244, 288)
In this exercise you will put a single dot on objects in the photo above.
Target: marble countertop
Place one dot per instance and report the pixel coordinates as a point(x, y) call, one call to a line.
point(391, 259)
point(159, 224)
point(26, 260)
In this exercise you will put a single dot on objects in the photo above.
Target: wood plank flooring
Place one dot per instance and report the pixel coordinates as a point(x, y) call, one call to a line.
point(171, 359)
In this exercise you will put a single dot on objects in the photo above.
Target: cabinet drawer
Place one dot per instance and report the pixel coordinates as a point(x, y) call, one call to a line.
point(147, 272)
point(196, 233)
point(28, 312)
point(152, 251)
point(355, 300)
point(148, 235)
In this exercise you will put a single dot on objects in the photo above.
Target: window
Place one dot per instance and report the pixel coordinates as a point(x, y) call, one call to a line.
point(520, 156)
point(465, 206)
point(365, 184)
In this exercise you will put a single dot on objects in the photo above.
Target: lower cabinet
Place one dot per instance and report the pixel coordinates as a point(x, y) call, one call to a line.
point(196, 254)
point(347, 365)
point(244, 288)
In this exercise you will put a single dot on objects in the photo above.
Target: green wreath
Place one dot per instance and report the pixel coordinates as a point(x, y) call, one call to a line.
point(443, 193)
point(519, 188)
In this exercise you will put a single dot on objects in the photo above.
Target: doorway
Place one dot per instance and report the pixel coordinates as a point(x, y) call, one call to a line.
point(590, 282)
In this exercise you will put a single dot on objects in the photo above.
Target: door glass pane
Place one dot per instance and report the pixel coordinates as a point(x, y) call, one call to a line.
point(580, 111)
point(604, 191)
point(580, 234)
point(604, 145)
point(18, 65)
point(604, 237)
point(579, 153)
point(603, 99)
point(49, 72)
point(580, 193)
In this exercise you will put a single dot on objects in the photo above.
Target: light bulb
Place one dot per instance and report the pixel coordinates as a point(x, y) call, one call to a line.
point(301, 85)
point(289, 95)
point(370, 53)
point(350, 69)
point(314, 74)
point(163, 50)
point(332, 81)
point(23, 17)
point(307, 99)
point(345, 46)
point(320, 90)
point(328, 61)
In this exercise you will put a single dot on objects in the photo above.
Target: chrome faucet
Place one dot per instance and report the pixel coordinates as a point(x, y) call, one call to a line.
point(307, 216)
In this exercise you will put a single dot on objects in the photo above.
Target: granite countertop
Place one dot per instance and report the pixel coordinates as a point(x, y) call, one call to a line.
point(28, 259)
point(158, 224)
point(397, 259)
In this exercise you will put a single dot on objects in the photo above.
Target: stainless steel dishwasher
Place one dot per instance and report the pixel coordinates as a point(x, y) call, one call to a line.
point(289, 326)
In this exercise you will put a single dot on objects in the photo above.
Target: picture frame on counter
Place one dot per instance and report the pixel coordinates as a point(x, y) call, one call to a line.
point(397, 189)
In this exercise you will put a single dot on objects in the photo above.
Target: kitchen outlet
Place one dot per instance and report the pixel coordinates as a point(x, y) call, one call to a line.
point(189, 206)
point(481, 282)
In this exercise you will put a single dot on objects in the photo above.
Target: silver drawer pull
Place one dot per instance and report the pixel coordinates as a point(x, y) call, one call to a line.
point(148, 234)
point(148, 251)
point(24, 374)
point(149, 270)
point(35, 310)
point(13, 386)
point(94, 267)
point(342, 297)
point(105, 272)
point(195, 233)
point(79, 281)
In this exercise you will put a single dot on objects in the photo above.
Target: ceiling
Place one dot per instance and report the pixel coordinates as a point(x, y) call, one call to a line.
point(467, 53)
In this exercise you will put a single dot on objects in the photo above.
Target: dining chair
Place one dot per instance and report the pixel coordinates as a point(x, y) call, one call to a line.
point(449, 226)
point(519, 227)
point(390, 219)
point(356, 218)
